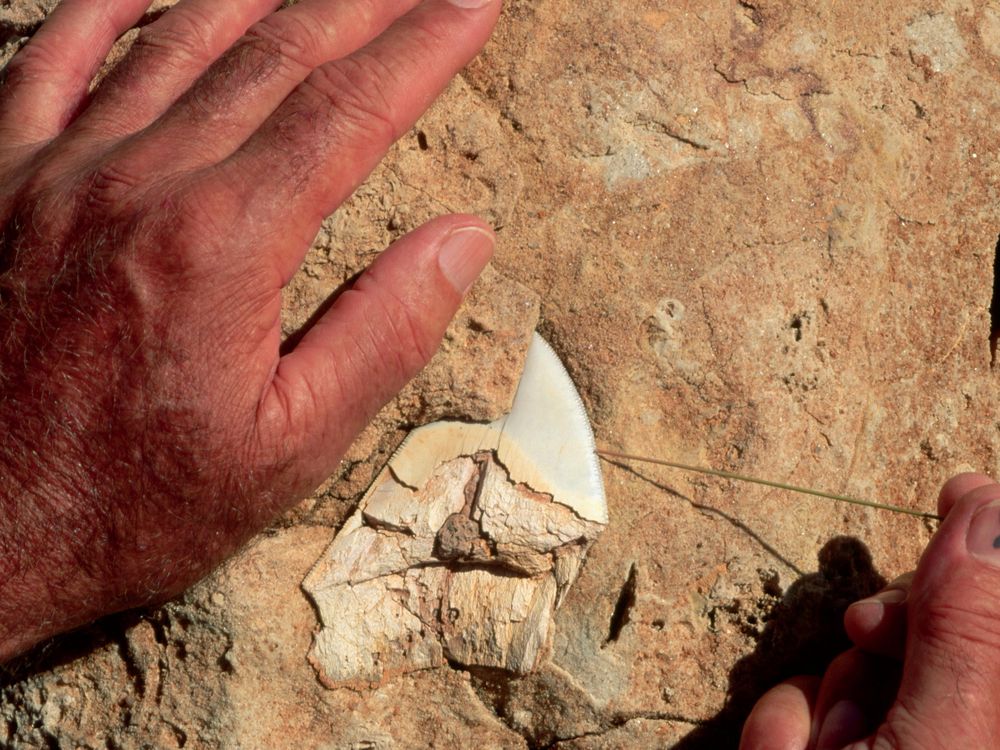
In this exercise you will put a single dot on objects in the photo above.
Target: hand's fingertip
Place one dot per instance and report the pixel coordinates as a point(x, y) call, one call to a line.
point(865, 617)
point(463, 254)
point(976, 517)
point(983, 538)
point(878, 624)
point(782, 718)
point(958, 487)
point(845, 722)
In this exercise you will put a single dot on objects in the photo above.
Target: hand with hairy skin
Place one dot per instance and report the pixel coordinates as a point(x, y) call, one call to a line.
point(151, 420)
point(924, 671)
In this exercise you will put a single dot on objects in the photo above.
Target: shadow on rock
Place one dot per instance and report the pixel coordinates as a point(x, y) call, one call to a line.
point(804, 632)
point(62, 650)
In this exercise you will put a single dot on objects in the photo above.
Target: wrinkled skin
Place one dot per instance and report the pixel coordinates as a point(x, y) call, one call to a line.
point(152, 421)
point(925, 669)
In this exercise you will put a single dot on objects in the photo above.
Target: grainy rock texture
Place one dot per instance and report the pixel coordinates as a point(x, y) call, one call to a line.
point(763, 236)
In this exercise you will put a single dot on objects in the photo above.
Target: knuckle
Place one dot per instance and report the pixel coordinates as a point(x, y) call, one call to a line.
point(366, 15)
point(110, 187)
point(157, 47)
point(356, 93)
point(249, 63)
point(290, 39)
point(193, 23)
point(430, 37)
point(34, 57)
point(40, 214)
point(199, 219)
point(402, 335)
point(18, 186)
point(181, 38)
point(34, 61)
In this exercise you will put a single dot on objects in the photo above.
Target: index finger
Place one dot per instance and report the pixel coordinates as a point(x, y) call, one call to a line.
point(782, 718)
point(329, 133)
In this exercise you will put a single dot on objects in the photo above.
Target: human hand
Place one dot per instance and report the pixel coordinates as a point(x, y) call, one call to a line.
point(151, 420)
point(925, 670)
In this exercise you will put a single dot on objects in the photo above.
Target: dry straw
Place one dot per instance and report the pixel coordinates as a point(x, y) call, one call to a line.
point(769, 483)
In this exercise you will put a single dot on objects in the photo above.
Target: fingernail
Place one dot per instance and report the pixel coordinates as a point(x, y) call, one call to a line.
point(983, 539)
point(844, 723)
point(470, 3)
point(889, 596)
point(463, 256)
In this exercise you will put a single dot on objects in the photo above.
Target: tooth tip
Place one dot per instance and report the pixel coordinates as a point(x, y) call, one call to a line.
point(545, 441)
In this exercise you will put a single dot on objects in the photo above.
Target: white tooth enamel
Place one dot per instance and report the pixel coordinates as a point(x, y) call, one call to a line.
point(545, 442)
point(466, 542)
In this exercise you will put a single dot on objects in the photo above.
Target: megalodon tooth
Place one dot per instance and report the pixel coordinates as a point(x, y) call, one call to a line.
point(466, 542)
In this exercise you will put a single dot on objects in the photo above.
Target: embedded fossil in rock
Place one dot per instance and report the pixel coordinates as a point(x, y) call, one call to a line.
point(466, 543)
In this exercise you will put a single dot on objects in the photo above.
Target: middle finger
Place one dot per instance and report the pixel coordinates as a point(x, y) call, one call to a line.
point(878, 624)
point(857, 690)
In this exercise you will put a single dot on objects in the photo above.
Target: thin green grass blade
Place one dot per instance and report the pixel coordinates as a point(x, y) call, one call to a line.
point(769, 483)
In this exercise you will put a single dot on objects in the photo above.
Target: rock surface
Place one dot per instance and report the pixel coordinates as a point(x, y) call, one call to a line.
point(763, 236)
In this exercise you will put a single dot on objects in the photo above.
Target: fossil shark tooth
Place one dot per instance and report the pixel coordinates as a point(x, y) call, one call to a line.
point(545, 441)
point(466, 542)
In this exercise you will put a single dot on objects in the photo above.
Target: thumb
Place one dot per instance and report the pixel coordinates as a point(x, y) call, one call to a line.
point(951, 676)
point(374, 338)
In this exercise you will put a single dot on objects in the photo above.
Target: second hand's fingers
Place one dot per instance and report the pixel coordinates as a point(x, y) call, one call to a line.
point(857, 690)
point(878, 624)
point(958, 487)
point(782, 718)
point(363, 350)
point(47, 81)
point(333, 129)
point(947, 697)
point(166, 58)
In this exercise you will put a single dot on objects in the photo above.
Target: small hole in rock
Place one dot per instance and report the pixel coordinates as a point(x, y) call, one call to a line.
point(995, 305)
point(422, 140)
